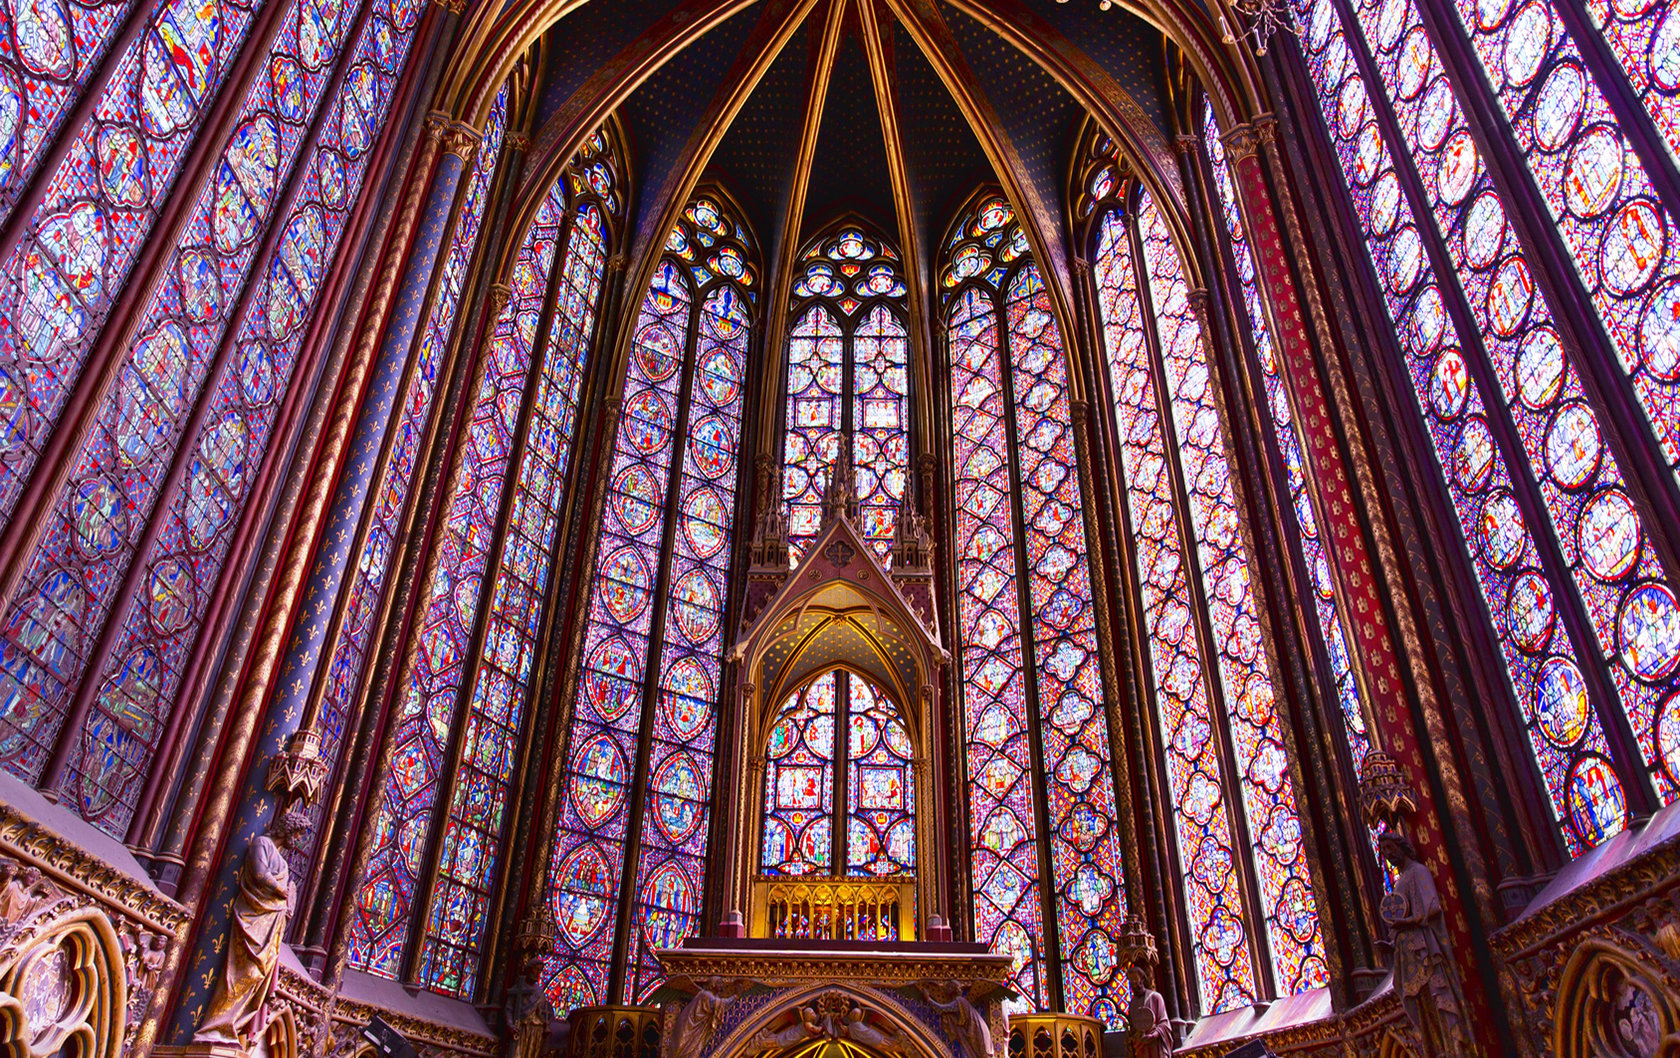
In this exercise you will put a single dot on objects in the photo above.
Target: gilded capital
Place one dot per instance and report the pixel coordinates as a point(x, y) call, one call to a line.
point(499, 295)
point(1186, 143)
point(1199, 302)
point(1241, 142)
point(461, 140)
point(437, 122)
point(454, 7)
point(517, 142)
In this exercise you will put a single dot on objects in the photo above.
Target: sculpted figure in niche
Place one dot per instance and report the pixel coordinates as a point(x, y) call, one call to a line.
point(260, 912)
point(701, 1017)
point(1423, 968)
point(962, 1020)
point(1147, 1023)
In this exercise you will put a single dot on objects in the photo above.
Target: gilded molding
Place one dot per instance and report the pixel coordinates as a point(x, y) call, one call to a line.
point(786, 967)
point(45, 877)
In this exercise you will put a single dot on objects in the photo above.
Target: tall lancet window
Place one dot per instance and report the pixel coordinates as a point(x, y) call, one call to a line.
point(637, 792)
point(111, 599)
point(1239, 838)
point(1045, 854)
point(438, 831)
point(847, 377)
point(349, 652)
point(839, 796)
point(1531, 274)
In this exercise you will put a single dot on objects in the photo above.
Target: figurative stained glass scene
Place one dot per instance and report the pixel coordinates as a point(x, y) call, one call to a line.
point(840, 530)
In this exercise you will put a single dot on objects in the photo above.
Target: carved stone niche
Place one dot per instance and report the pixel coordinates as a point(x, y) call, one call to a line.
point(63, 988)
point(1618, 998)
point(83, 934)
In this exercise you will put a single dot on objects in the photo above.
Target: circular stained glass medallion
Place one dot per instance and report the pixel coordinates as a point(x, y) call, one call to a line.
point(1650, 631)
point(1557, 109)
point(711, 443)
point(646, 424)
point(1597, 805)
point(1473, 456)
point(1529, 611)
point(1593, 173)
point(581, 885)
point(703, 520)
point(1540, 368)
point(1573, 445)
point(625, 583)
point(1561, 702)
point(636, 498)
point(695, 606)
point(1659, 329)
point(613, 679)
point(1608, 535)
point(678, 799)
point(599, 780)
point(1632, 247)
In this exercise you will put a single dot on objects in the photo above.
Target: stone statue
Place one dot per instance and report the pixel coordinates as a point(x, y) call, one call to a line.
point(260, 912)
point(789, 1036)
point(961, 1019)
point(863, 1033)
point(1424, 975)
point(1149, 1028)
point(700, 1018)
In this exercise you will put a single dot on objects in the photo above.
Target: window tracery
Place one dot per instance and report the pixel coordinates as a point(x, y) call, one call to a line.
point(529, 383)
point(847, 378)
point(1032, 688)
point(645, 712)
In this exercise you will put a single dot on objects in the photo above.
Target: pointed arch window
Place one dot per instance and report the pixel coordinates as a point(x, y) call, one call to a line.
point(113, 594)
point(1237, 824)
point(847, 380)
point(637, 791)
point(839, 793)
point(1045, 859)
point(437, 835)
point(1575, 593)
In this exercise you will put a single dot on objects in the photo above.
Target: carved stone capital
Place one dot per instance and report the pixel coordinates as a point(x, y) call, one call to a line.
point(1243, 141)
point(517, 142)
point(1186, 143)
point(618, 262)
point(499, 295)
point(454, 7)
point(461, 140)
point(1199, 304)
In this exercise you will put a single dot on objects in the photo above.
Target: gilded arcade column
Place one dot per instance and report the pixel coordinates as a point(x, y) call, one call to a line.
point(1395, 786)
point(275, 796)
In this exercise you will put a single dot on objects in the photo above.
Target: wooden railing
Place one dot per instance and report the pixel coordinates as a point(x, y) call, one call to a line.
point(835, 908)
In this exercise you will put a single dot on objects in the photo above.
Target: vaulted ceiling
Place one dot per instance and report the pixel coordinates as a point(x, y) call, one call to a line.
point(858, 62)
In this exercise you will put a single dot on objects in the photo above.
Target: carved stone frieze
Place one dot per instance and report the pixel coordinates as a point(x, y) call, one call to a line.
point(56, 896)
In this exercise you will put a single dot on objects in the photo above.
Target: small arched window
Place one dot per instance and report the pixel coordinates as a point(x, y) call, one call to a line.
point(838, 806)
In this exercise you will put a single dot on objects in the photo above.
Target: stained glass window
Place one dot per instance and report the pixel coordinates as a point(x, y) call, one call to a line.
point(443, 677)
point(652, 645)
point(880, 789)
point(848, 379)
point(820, 793)
point(98, 527)
point(1289, 449)
point(1610, 573)
point(1031, 684)
point(348, 654)
point(799, 783)
point(100, 204)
